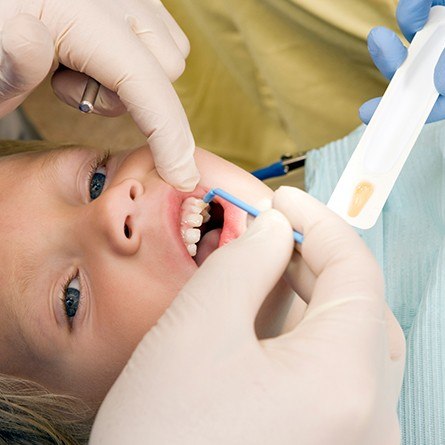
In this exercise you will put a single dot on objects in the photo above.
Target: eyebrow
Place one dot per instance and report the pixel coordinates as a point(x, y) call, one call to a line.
point(39, 324)
point(52, 162)
point(25, 270)
point(28, 267)
point(50, 168)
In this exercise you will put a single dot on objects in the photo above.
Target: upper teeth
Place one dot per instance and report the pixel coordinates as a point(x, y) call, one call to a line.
point(194, 214)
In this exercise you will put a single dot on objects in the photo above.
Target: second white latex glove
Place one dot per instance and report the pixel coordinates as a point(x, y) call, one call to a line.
point(201, 376)
point(134, 48)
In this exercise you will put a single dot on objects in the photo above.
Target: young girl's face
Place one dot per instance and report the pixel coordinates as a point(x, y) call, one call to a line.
point(92, 255)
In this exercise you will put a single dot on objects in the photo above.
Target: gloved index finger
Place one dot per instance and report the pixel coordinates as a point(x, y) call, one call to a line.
point(143, 87)
point(387, 51)
point(176, 32)
point(155, 107)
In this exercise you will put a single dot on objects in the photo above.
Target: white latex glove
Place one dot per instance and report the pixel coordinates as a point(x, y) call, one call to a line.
point(134, 48)
point(201, 376)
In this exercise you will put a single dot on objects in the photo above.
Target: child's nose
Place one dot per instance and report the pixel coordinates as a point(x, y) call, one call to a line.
point(114, 216)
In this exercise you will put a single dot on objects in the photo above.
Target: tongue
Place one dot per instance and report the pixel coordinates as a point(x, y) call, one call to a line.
point(209, 243)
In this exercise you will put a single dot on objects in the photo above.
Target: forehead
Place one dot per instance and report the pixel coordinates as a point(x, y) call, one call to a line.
point(21, 179)
point(25, 169)
point(14, 169)
point(16, 177)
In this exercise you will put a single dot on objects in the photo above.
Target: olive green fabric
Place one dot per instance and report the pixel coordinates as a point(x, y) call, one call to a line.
point(266, 77)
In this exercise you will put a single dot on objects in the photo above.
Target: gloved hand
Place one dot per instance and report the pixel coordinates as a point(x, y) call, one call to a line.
point(134, 48)
point(388, 52)
point(201, 376)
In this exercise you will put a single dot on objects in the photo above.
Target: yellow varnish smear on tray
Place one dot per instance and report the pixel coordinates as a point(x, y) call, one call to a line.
point(361, 195)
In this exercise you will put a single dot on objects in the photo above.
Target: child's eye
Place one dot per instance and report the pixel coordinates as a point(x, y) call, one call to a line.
point(97, 182)
point(98, 176)
point(71, 297)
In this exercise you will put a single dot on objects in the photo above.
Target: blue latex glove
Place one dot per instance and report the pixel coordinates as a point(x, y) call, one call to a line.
point(388, 52)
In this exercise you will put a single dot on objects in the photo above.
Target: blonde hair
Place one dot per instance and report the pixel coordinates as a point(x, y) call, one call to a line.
point(30, 414)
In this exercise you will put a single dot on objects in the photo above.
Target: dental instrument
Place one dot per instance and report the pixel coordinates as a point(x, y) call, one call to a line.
point(89, 96)
point(210, 195)
point(280, 168)
point(376, 163)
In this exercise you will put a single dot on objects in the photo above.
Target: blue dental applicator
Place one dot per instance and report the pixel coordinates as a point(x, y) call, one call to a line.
point(298, 237)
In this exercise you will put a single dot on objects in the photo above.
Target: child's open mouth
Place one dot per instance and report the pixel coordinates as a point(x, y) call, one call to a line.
point(205, 227)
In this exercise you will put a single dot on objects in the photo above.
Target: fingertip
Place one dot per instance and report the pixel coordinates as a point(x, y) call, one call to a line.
point(366, 111)
point(438, 111)
point(387, 50)
point(177, 33)
point(263, 204)
point(176, 70)
point(374, 38)
point(363, 114)
point(396, 338)
point(298, 206)
point(286, 192)
point(184, 178)
point(319, 225)
point(267, 240)
point(269, 231)
point(274, 221)
point(439, 74)
point(184, 45)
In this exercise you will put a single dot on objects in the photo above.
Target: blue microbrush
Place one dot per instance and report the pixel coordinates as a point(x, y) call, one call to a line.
point(298, 237)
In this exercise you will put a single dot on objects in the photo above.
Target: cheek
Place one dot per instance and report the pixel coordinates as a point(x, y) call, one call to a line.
point(132, 297)
point(125, 304)
point(216, 172)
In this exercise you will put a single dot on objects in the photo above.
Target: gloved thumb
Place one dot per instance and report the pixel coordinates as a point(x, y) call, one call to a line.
point(337, 257)
point(232, 283)
point(26, 57)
